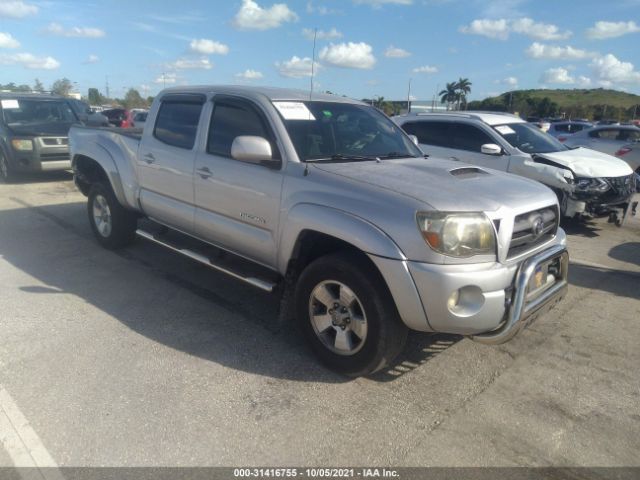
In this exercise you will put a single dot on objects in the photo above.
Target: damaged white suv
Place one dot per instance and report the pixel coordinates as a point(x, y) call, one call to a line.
point(586, 181)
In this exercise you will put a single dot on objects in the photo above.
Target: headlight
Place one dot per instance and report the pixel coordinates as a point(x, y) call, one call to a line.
point(22, 145)
point(458, 234)
point(591, 185)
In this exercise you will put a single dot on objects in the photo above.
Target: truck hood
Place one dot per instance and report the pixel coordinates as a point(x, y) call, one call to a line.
point(584, 162)
point(445, 185)
point(57, 129)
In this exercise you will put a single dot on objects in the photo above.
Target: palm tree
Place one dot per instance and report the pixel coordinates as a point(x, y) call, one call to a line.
point(448, 95)
point(463, 86)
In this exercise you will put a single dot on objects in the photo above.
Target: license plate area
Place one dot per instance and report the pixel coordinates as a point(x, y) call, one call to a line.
point(545, 276)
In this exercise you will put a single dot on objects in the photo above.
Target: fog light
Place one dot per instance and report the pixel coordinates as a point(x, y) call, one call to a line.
point(466, 301)
point(453, 300)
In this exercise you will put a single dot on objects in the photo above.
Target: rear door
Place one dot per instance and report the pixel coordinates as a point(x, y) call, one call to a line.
point(166, 159)
point(237, 203)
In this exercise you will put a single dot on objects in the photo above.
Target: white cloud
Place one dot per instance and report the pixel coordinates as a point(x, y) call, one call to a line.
point(252, 16)
point(249, 74)
point(425, 69)
point(208, 47)
point(557, 75)
point(611, 29)
point(16, 9)
point(380, 3)
point(349, 55)
point(85, 32)
point(609, 69)
point(396, 52)
point(321, 9)
point(27, 60)
point(488, 28)
point(166, 78)
point(202, 63)
point(321, 35)
point(583, 81)
point(7, 41)
point(511, 82)
point(501, 28)
point(92, 59)
point(539, 50)
point(539, 31)
point(296, 67)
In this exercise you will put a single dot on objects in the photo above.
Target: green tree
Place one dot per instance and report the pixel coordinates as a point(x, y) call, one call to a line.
point(448, 95)
point(133, 99)
point(62, 87)
point(463, 87)
point(95, 97)
point(38, 87)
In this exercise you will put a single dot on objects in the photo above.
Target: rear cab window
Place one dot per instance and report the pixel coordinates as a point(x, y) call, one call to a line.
point(177, 120)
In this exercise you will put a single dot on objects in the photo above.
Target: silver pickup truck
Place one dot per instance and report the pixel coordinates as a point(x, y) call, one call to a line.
point(325, 201)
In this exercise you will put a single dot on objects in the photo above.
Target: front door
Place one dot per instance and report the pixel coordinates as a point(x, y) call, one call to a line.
point(237, 203)
point(165, 162)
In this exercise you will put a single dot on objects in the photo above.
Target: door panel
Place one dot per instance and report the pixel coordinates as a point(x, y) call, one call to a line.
point(237, 203)
point(238, 206)
point(165, 165)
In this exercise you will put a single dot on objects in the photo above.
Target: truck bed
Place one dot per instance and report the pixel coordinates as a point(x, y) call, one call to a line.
point(127, 132)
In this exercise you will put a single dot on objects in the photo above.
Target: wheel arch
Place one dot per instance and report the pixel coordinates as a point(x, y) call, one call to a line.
point(99, 167)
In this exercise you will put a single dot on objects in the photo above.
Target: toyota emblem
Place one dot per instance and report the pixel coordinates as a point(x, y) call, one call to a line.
point(537, 227)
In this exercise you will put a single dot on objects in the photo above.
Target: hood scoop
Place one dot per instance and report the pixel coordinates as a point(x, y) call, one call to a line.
point(467, 172)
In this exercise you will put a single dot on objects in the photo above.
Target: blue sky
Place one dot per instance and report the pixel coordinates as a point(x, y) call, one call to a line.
point(365, 47)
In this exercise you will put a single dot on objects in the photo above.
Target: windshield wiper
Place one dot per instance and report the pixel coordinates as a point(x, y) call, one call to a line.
point(396, 155)
point(339, 157)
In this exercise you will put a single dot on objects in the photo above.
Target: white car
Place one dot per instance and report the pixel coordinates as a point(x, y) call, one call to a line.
point(606, 138)
point(139, 119)
point(586, 181)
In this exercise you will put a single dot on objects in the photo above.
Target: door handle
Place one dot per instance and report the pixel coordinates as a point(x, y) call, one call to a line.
point(204, 172)
point(149, 158)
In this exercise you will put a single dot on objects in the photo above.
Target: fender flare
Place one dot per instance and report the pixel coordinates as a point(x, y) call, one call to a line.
point(108, 163)
point(337, 223)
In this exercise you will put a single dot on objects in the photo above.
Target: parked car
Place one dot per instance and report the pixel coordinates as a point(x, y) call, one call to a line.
point(606, 139)
point(117, 117)
point(139, 119)
point(34, 133)
point(327, 201)
point(562, 130)
point(586, 181)
point(631, 154)
point(86, 115)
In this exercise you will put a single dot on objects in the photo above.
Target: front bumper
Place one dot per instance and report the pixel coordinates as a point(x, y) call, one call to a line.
point(491, 302)
point(48, 154)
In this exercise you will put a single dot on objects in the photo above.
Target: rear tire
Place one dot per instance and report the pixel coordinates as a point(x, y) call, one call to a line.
point(113, 225)
point(6, 173)
point(347, 314)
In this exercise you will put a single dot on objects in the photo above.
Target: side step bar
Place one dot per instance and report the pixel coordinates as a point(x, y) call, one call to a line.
point(265, 285)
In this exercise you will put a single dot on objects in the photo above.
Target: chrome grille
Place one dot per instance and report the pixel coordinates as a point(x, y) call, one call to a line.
point(532, 229)
point(55, 142)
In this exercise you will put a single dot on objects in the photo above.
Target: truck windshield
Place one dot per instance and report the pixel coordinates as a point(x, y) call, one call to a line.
point(36, 111)
point(528, 138)
point(343, 132)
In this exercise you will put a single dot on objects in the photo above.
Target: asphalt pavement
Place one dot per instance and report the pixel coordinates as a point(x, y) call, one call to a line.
point(143, 358)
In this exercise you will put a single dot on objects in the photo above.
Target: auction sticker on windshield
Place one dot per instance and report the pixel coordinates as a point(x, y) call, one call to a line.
point(294, 111)
point(505, 129)
point(9, 104)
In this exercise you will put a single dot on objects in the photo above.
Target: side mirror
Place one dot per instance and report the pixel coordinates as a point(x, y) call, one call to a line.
point(414, 139)
point(252, 149)
point(491, 149)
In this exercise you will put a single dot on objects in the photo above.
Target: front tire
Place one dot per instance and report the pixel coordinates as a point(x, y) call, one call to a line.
point(113, 225)
point(347, 315)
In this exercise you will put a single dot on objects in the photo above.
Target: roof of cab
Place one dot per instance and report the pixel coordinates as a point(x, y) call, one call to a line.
point(490, 118)
point(271, 93)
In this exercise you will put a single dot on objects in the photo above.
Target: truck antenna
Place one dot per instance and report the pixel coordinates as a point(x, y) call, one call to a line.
point(313, 61)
